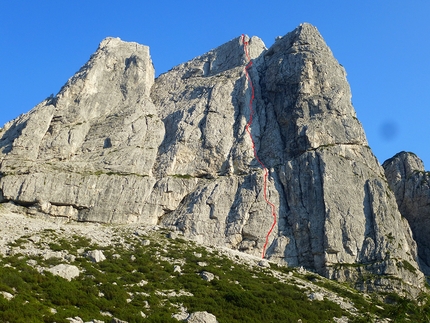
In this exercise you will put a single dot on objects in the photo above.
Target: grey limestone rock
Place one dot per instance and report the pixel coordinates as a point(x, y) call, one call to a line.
point(88, 153)
point(116, 320)
point(7, 295)
point(95, 255)
point(182, 315)
point(146, 242)
point(411, 185)
point(264, 263)
point(116, 146)
point(207, 276)
point(75, 319)
point(316, 296)
point(201, 317)
point(65, 271)
point(338, 208)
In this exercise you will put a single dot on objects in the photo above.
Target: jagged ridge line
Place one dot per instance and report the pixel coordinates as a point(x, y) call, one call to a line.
point(247, 128)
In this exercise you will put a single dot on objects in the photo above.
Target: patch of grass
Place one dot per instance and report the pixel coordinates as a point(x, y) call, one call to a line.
point(407, 265)
point(364, 305)
point(80, 242)
point(134, 275)
point(390, 237)
point(18, 243)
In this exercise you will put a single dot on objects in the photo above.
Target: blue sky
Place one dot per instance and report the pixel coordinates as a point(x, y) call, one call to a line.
point(384, 46)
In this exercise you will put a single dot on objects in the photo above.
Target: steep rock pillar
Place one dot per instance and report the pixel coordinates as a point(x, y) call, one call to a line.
point(343, 216)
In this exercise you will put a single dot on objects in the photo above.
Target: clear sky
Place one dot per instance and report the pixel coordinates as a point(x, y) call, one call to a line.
point(384, 46)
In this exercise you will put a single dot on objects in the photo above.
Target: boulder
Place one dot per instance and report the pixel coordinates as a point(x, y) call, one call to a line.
point(146, 242)
point(65, 271)
point(316, 296)
point(95, 255)
point(201, 317)
point(207, 276)
point(7, 295)
point(264, 263)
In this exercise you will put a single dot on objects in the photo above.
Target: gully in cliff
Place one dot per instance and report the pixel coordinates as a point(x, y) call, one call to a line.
point(247, 127)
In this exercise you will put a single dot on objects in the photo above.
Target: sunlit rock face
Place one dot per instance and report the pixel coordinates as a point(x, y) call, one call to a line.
point(411, 185)
point(116, 145)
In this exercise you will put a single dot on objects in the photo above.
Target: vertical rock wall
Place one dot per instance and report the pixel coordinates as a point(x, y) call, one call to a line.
point(411, 185)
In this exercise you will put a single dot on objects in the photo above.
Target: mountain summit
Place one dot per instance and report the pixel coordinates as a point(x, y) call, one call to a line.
point(116, 145)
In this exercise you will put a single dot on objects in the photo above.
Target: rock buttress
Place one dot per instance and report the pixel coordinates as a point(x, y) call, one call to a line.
point(87, 153)
point(411, 185)
point(341, 215)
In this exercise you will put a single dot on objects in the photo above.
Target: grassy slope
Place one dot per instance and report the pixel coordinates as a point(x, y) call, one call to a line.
point(138, 283)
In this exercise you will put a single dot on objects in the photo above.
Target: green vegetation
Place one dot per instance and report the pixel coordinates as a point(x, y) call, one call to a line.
point(407, 265)
point(396, 308)
point(138, 279)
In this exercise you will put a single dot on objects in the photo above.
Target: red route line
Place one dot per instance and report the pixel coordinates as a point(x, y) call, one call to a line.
point(247, 127)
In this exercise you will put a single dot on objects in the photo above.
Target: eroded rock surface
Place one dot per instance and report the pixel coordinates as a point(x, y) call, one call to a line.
point(411, 185)
point(88, 153)
point(117, 146)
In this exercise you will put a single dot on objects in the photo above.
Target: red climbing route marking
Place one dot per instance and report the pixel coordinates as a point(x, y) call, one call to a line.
point(247, 127)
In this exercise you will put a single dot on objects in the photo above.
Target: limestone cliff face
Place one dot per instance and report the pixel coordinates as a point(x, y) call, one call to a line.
point(411, 185)
point(88, 153)
point(117, 146)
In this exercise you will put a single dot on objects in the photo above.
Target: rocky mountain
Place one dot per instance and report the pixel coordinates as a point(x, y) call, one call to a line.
point(117, 146)
point(411, 185)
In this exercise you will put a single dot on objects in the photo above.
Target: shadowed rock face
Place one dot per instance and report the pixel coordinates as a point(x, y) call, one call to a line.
point(117, 146)
point(411, 185)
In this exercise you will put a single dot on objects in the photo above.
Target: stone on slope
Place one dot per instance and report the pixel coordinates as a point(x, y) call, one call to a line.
point(6, 295)
point(411, 185)
point(75, 319)
point(116, 320)
point(207, 276)
point(95, 255)
point(201, 317)
point(65, 271)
